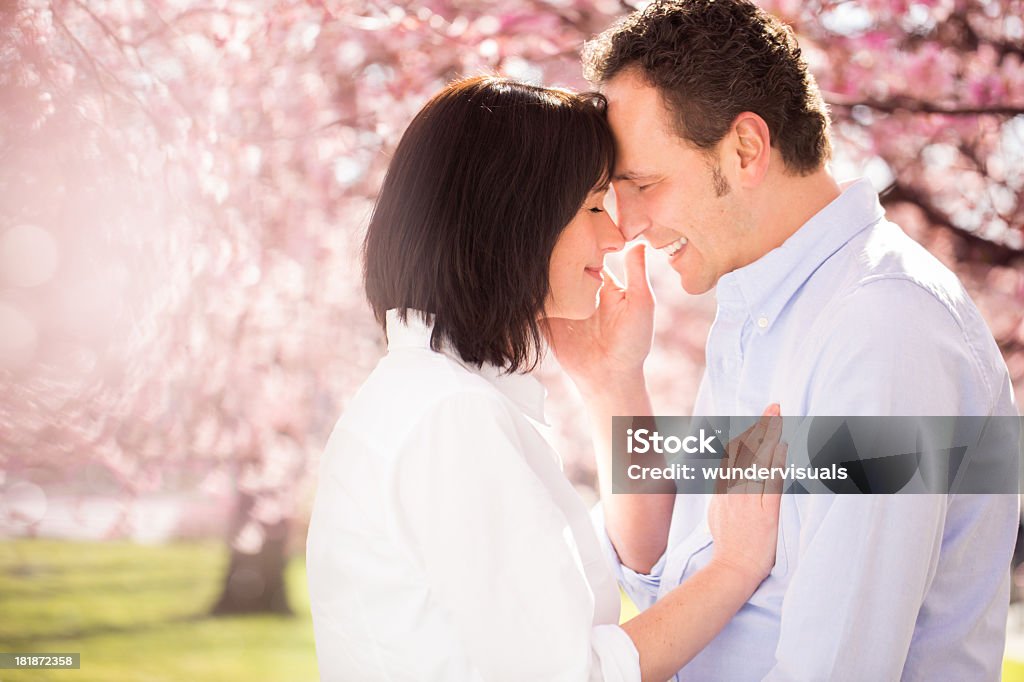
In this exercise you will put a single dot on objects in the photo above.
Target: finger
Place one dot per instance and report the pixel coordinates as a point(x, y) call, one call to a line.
point(763, 427)
point(637, 278)
point(611, 293)
point(775, 424)
point(743, 449)
point(766, 448)
point(748, 446)
point(732, 449)
point(774, 485)
point(760, 427)
point(611, 279)
point(734, 446)
point(722, 485)
point(746, 432)
point(780, 454)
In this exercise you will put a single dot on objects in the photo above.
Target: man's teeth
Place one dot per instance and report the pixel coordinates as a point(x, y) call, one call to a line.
point(674, 248)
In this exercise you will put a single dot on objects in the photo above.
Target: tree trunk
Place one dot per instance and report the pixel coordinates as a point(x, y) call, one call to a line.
point(254, 582)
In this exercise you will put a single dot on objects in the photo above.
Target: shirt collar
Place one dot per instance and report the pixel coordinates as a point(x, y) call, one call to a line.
point(765, 286)
point(522, 389)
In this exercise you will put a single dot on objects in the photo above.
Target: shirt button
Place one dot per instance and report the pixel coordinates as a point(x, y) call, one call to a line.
point(762, 322)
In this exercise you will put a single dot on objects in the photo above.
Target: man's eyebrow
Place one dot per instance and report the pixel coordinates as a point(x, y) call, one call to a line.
point(631, 175)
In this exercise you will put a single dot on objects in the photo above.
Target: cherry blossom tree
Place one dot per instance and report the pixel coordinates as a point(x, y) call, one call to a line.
point(184, 185)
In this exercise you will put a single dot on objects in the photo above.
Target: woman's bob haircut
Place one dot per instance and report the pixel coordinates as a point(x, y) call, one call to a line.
point(481, 185)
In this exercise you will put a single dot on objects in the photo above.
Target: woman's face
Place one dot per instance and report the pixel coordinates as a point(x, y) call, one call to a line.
point(575, 270)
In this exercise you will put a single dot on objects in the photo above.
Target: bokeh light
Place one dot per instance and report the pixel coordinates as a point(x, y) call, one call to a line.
point(28, 256)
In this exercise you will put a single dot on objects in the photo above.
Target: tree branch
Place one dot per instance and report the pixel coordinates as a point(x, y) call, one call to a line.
point(109, 32)
point(991, 252)
point(172, 23)
point(95, 66)
point(916, 106)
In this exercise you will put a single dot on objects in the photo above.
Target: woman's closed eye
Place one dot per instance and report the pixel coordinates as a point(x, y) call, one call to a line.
point(596, 209)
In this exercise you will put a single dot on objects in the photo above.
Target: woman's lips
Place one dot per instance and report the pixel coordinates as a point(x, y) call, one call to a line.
point(595, 273)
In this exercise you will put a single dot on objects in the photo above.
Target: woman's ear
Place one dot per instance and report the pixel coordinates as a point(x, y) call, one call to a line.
point(753, 149)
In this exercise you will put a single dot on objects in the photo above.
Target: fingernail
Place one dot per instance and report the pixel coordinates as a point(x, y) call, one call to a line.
point(772, 410)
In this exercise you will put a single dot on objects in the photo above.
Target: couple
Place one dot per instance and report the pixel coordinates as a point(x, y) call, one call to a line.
point(445, 543)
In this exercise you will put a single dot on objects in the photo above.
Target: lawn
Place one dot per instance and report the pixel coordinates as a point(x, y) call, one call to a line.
point(138, 614)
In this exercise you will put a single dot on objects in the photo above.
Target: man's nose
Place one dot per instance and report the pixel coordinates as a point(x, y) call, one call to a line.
point(632, 218)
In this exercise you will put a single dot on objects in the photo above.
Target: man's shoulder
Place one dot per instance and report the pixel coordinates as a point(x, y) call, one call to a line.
point(885, 253)
point(883, 275)
point(889, 297)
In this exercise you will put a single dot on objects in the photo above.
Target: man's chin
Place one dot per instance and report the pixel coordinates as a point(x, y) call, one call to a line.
point(694, 286)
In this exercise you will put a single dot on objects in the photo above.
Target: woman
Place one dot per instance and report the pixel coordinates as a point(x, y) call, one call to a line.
point(445, 542)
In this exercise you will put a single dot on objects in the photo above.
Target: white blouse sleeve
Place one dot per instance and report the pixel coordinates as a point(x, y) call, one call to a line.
point(504, 594)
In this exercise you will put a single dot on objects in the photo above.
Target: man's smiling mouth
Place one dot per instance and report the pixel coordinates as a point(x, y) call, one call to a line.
point(675, 247)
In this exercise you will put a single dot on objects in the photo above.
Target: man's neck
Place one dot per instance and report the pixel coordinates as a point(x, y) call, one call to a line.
point(791, 200)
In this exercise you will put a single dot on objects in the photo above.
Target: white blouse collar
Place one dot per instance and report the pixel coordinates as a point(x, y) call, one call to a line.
point(521, 388)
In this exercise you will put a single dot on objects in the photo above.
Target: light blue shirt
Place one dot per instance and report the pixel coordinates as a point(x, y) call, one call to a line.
point(852, 317)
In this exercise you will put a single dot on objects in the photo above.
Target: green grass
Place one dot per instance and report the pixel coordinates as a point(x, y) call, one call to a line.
point(139, 613)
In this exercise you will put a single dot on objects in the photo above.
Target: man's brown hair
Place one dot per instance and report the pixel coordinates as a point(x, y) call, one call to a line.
point(712, 60)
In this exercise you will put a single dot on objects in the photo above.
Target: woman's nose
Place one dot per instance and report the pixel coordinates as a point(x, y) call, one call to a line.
point(611, 238)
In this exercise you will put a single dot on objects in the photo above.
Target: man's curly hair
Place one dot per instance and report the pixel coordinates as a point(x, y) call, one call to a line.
point(714, 59)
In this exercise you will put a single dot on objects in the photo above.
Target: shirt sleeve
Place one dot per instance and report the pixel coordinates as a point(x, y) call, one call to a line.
point(867, 562)
point(865, 565)
point(641, 588)
point(506, 597)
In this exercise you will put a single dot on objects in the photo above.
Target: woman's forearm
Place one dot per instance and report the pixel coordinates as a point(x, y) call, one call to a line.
point(675, 629)
point(638, 523)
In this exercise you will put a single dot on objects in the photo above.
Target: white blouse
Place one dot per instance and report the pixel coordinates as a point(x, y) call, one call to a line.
point(445, 541)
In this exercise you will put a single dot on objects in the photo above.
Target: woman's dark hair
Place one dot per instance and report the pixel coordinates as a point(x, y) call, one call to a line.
point(714, 59)
point(482, 183)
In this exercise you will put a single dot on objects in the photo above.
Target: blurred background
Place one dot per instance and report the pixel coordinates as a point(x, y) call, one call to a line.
point(184, 187)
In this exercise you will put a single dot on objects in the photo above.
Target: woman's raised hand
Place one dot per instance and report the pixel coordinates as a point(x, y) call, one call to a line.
point(616, 340)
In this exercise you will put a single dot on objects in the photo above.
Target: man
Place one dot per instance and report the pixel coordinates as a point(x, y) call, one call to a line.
point(824, 307)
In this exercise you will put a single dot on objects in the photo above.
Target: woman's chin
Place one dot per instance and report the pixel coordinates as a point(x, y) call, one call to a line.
point(578, 310)
point(584, 313)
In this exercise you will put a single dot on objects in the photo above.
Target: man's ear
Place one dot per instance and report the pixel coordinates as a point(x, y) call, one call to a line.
point(753, 149)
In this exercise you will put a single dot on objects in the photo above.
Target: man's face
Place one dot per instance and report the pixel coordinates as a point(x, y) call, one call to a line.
point(669, 192)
